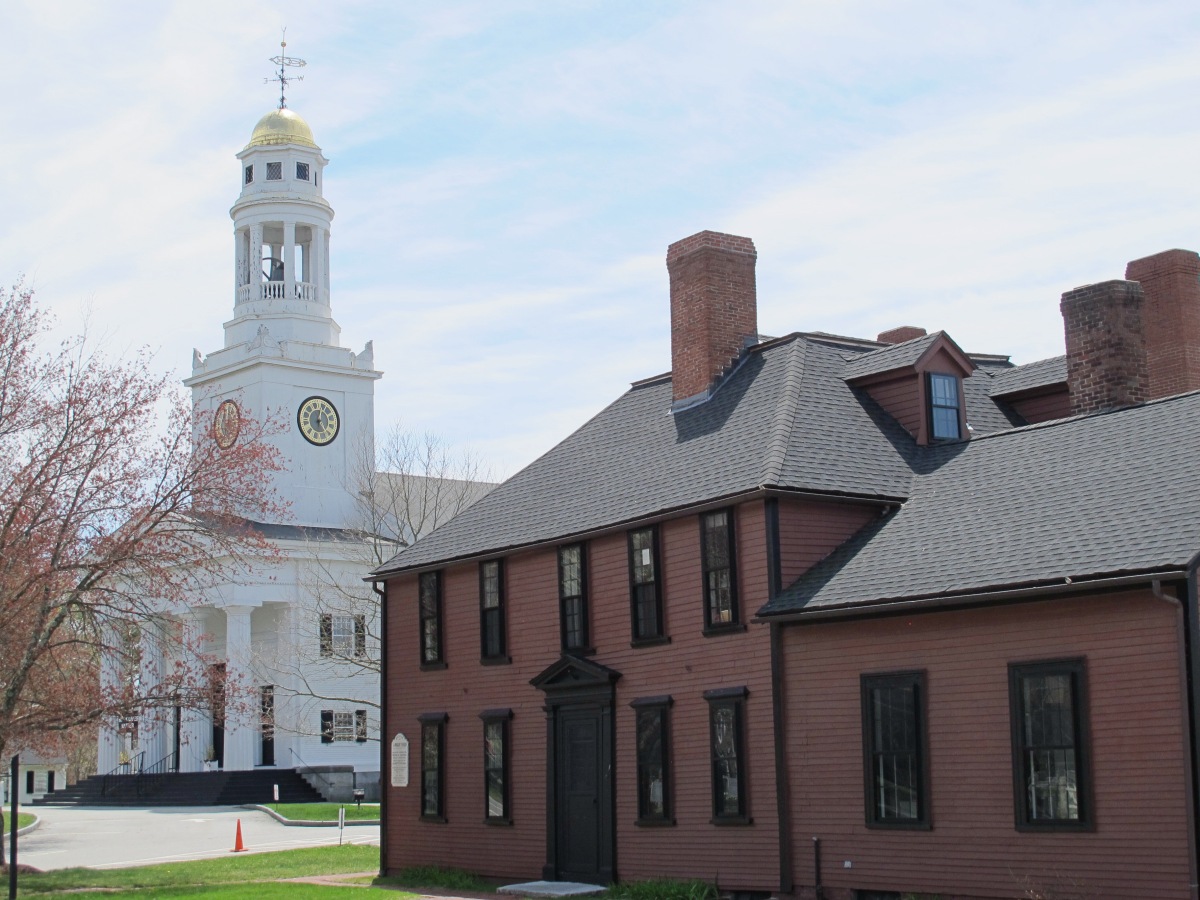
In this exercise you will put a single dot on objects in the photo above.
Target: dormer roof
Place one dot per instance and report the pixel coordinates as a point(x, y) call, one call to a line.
point(907, 355)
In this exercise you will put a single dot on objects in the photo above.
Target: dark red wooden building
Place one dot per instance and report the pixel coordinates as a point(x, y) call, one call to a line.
point(826, 616)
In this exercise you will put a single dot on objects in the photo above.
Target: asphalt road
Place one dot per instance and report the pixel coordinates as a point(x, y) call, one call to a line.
point(110, 838)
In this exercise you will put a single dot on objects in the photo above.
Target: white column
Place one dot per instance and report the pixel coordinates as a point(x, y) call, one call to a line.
point(241, 708)
point(195, 728)
point(108, 748)
point(254, 263)
point(152, 742)
point(289, 260)
point(317, 265)
point(325, 297)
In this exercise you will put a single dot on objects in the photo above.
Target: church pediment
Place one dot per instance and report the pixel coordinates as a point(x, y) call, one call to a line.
point(574, 673)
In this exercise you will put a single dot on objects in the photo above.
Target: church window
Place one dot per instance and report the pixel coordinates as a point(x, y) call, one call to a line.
point(302, 171)
point(343, 726)
point(343, 635)
point(274, 171)
point(249, 174)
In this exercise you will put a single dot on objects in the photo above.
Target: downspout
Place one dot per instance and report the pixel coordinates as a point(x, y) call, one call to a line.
point(1190, 639)
point(782, 786)
point(384, 744)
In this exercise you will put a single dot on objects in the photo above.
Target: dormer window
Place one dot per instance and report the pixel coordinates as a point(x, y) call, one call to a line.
point(274, 171)
point(249, 174)
point(944, 407)
point(302, 171)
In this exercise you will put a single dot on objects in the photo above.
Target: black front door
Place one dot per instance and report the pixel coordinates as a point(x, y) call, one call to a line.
point(578, 790)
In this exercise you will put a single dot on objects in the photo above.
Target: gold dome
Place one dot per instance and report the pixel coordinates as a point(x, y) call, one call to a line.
point(281, 126)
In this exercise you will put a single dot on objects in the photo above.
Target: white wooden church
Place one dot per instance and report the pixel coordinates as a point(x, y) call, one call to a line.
point(299, 636)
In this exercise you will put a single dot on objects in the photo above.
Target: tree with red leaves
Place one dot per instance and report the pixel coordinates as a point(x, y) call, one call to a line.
point(112, 521)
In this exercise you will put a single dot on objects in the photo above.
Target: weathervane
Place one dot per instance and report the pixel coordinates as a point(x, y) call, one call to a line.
point(283, 61)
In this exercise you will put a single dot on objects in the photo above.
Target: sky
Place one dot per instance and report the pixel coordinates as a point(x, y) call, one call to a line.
point(507, 175)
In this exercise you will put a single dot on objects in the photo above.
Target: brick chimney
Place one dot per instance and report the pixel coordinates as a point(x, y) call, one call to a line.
point(1106, 355)
point(714, 311)
point(1171, 317)
point(901, 334)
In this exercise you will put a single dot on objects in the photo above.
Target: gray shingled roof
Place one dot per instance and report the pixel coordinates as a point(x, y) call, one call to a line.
point(886, 359)
point(1079, 498)
point(784, 418)
point(1043, 373)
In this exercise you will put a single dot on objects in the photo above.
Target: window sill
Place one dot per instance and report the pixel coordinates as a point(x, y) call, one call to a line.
point(437, 820)
point(432, 666)
point(579, 651)
point(499, 823)
point(1052, 827)
point(495, 660)
point(655, 823)
point(728, 821)
point(650, 641)
point(901, 826)
point(718, 630)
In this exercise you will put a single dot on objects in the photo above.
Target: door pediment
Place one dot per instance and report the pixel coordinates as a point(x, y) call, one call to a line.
point(570, 673)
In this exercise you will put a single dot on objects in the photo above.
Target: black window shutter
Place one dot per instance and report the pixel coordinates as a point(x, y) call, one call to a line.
point(326, 635)
point(327, 726)
point(360, 725)
point(360, 638)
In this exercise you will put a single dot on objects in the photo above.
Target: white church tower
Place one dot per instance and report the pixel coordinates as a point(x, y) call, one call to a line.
point(300, 635)
point(282, 352)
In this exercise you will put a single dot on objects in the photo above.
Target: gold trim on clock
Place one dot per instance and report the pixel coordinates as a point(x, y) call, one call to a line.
point(226, 424)
point(318, 421)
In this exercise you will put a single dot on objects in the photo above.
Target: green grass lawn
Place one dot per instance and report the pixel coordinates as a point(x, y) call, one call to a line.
point(241, 872)
point(23, 819)
point(324, 812)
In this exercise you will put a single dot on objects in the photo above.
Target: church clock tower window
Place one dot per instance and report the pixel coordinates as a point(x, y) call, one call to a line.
point(302, 171)
point(274, 171)
point(249, 174)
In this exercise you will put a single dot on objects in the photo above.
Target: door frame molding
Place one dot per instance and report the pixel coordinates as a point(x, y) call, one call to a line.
point(577, 683)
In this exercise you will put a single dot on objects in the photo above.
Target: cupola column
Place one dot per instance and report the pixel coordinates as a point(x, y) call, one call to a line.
point(318, 264)
point(255, 260)
point(289, 260)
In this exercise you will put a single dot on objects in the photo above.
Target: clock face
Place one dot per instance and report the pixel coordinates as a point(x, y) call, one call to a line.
point(318, 421)
point(227, 422)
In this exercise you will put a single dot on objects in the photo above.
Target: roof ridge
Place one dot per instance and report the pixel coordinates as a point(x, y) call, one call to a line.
point(784, 420)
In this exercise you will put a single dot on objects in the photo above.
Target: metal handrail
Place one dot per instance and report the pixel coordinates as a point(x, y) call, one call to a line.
point(128, 767)
point(152, 776)
point(311, 771)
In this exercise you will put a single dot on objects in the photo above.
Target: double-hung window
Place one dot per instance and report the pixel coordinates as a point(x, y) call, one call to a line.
point(645, 595)
point(727, 745)
point(894, 741)
point(653, 760)
point(433, 766)
point(430, 602)
point(343, 636)
point(944, 407)
point(1048, 703)
point(339, 725)
point(491, 612)
point(572, 598)
point(720, 569)
point(496, 766)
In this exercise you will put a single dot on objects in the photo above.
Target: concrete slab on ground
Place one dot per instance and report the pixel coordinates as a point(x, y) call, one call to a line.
point(551, 889)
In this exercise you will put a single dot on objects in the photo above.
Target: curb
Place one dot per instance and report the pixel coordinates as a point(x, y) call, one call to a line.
point(301, 823)
point(32, 826)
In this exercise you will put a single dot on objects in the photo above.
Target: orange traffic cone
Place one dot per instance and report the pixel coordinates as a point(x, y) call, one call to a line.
point(238, 846)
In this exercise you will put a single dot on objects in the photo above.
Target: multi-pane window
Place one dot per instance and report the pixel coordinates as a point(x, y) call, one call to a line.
point(944, 406)
point(302, 171)
point(274, 171)
point(653, 760)
point(720, 571)
point(433, 766)
point(496, 765)
point(572, 597)
point(430, 603)
point(643, 584)
point(339, 725)
point(249, 174)
point(343, 635)
point(1049, 732)
point(491, 611)
point(893, 711)
point(726, 719)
